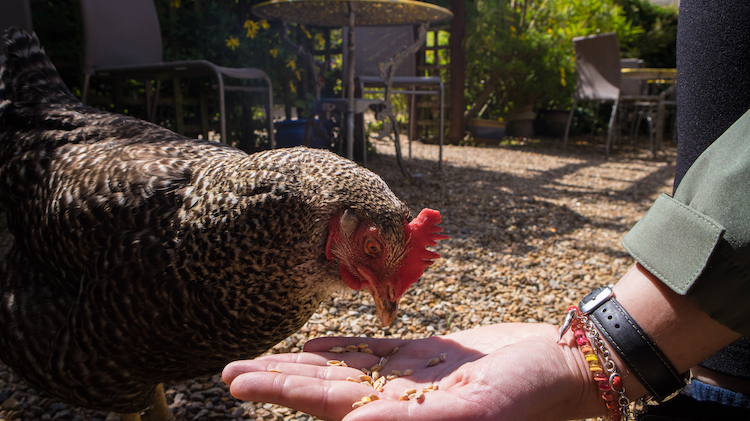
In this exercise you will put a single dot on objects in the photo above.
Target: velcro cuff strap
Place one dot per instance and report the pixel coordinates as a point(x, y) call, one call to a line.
point(674, 242)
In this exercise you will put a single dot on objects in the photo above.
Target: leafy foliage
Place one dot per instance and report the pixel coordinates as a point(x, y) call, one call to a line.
point(520, 52)
point(656, 44)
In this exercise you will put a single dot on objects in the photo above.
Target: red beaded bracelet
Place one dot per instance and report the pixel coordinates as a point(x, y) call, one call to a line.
point(601, 365)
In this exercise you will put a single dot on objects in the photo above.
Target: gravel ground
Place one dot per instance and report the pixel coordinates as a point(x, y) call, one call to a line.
point(532, 229)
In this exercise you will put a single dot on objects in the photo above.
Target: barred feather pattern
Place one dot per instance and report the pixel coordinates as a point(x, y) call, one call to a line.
point(141, 256)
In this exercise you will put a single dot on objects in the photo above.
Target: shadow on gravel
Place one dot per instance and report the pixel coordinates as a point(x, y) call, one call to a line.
point(501, 211)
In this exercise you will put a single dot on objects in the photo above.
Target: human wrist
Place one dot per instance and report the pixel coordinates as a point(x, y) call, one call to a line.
point(684, 334)
point(583, 390)
point(597, 354)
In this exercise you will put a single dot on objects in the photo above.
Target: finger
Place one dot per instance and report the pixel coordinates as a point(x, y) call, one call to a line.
point(327, 399)
point(309, 364)
point(265, 363)
point(380, 347)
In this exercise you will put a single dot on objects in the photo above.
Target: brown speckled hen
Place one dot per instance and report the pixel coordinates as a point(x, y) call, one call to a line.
point(141, 256)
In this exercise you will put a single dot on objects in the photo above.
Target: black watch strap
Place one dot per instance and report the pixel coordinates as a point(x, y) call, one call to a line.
point(639, 352)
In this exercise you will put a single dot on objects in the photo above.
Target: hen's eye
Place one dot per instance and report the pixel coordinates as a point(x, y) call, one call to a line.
point(372, 247)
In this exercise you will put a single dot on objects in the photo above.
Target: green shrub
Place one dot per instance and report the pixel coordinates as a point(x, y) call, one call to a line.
point(520, 53)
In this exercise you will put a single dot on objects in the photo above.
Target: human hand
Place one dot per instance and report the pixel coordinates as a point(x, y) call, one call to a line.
point(506, 371)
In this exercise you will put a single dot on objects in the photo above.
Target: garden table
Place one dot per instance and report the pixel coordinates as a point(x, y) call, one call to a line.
point(341, 13)
point(664, 75)
point(661, 76)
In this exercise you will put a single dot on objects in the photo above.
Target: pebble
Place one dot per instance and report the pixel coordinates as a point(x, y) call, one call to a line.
point(200, 414)
point(532, 231)
point(62, 414)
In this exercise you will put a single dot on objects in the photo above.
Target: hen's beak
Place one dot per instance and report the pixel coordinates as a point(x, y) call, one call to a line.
point(387, 308)
point(385, 298)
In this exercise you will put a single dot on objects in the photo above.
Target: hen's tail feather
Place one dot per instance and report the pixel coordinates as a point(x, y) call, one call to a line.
point(28, 75)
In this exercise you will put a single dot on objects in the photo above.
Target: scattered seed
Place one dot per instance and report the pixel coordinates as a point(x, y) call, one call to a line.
point(274, 370)
point(395, 350)
point(432, 362)
point(365, 378)
point(383, 361)
point(352, 348)
point(403, 398)
point(337, 363)
point(375, 375)
point(379, 383)
point(409, 391)
point(362, 346)
point(376, 367)
point(365, 400)
point(412, 395)
point(407, 372)
point(419, 395)
point(337, 350)
point(367, 351)
point(442, 358)
point(391, 377)
point(396, 373)
point(351, 379)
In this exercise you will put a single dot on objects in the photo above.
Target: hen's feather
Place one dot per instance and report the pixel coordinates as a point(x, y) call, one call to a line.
point(141, 256)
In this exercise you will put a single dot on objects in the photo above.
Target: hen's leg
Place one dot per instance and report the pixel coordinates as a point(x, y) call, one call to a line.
point(133, 416)
point(159, 410)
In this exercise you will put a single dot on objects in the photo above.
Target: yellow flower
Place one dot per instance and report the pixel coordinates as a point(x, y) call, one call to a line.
point(274, 52)
point(291, 64)
point(562, 76)
point(232, 42)
point(298, 74)
point(302, 27)
point(292, 87)
point(175, 4)
point(264, 24)
point(252, 28)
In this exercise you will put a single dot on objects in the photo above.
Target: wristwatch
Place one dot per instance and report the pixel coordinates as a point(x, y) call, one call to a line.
point(631, 343)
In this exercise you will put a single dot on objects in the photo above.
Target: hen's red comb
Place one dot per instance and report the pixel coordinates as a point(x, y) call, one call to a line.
point(422, 231)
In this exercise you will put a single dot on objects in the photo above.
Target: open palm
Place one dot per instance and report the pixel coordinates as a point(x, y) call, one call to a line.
point(505, 371)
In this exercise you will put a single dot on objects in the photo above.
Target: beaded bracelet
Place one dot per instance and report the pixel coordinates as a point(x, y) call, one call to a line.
point(600, 363)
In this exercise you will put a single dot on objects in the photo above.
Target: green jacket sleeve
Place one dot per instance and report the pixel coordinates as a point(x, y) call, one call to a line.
point(697, 241)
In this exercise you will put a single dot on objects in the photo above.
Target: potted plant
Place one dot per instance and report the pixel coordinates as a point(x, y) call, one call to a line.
point(520, 56)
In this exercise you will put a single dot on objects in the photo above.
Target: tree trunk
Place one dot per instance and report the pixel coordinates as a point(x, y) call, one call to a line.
point(457, 71)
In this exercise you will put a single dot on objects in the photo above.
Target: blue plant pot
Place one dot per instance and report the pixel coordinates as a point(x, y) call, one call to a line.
point(290, 133)
point(490, 131)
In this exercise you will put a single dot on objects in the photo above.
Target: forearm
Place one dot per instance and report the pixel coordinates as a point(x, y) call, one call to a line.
point(684, 333)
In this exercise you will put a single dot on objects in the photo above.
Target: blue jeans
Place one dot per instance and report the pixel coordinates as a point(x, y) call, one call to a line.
point(701, 402)
point(703, 392)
